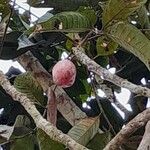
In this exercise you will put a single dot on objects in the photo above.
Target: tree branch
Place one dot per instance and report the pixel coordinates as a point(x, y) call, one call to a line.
point(40, 122)
point(67, 108)
point(145, 143)
point(106, 75)
point(136, 123)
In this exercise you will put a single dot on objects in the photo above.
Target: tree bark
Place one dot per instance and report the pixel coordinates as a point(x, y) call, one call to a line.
point(145, 143)
point(106, 75)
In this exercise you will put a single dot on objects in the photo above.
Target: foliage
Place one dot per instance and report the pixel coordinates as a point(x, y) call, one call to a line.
point(106, 31)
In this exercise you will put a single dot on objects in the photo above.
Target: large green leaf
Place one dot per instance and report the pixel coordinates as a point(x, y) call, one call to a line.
point(120, 9)
point(85, 130)
point(132, 40)
point(27, 84)
point(25, 143)
point(67, 22)
point(89, 13)
point(23, 137)
point(45, 143)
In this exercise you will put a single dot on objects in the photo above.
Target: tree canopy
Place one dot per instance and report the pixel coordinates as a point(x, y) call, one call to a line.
point(95, 36)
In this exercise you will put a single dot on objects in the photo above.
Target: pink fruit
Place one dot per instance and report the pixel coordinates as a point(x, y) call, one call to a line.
point(64, 73)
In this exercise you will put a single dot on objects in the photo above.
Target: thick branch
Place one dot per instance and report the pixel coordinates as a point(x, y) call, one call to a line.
point(106, 75)
point(68, 108)
point(40, 122)
point(145, 143)
point(136, 123)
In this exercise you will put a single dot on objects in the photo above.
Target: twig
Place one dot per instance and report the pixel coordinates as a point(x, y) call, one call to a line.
point(40, 122)
point(86, 38)
point(102, 110)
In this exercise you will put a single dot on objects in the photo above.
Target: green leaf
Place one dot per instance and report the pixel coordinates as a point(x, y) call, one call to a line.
point(16, 23)
point(22, 120)
point(89, 13)
point(132, 40)
point(120, 9)
point(106, 46)
point(80, 83)
point(45, 143)
point(10, 46)
point(28, 85)
point(22, 137)
point(85, 130)
point(26, 143)
point(67, 22)
point(99, 141)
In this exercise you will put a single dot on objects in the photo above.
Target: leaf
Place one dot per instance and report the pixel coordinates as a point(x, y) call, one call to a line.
point(22, 137)
point(16, 23)
point(45, 143)
point(120, 9)
point(85, 130)
point(81, 89)
point(26, 143)
point(67, 22)
point(89, 13)
point(132, 40)
point(99, 141)
point(28, 85)
point(25, 44)
point(52, 107)
point(106, 46)
point(10, 46)
point(22, 120)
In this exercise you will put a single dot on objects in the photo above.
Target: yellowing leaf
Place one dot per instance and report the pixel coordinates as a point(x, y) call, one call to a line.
point(120, 9)
point(85, 130)
point(132, 40)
